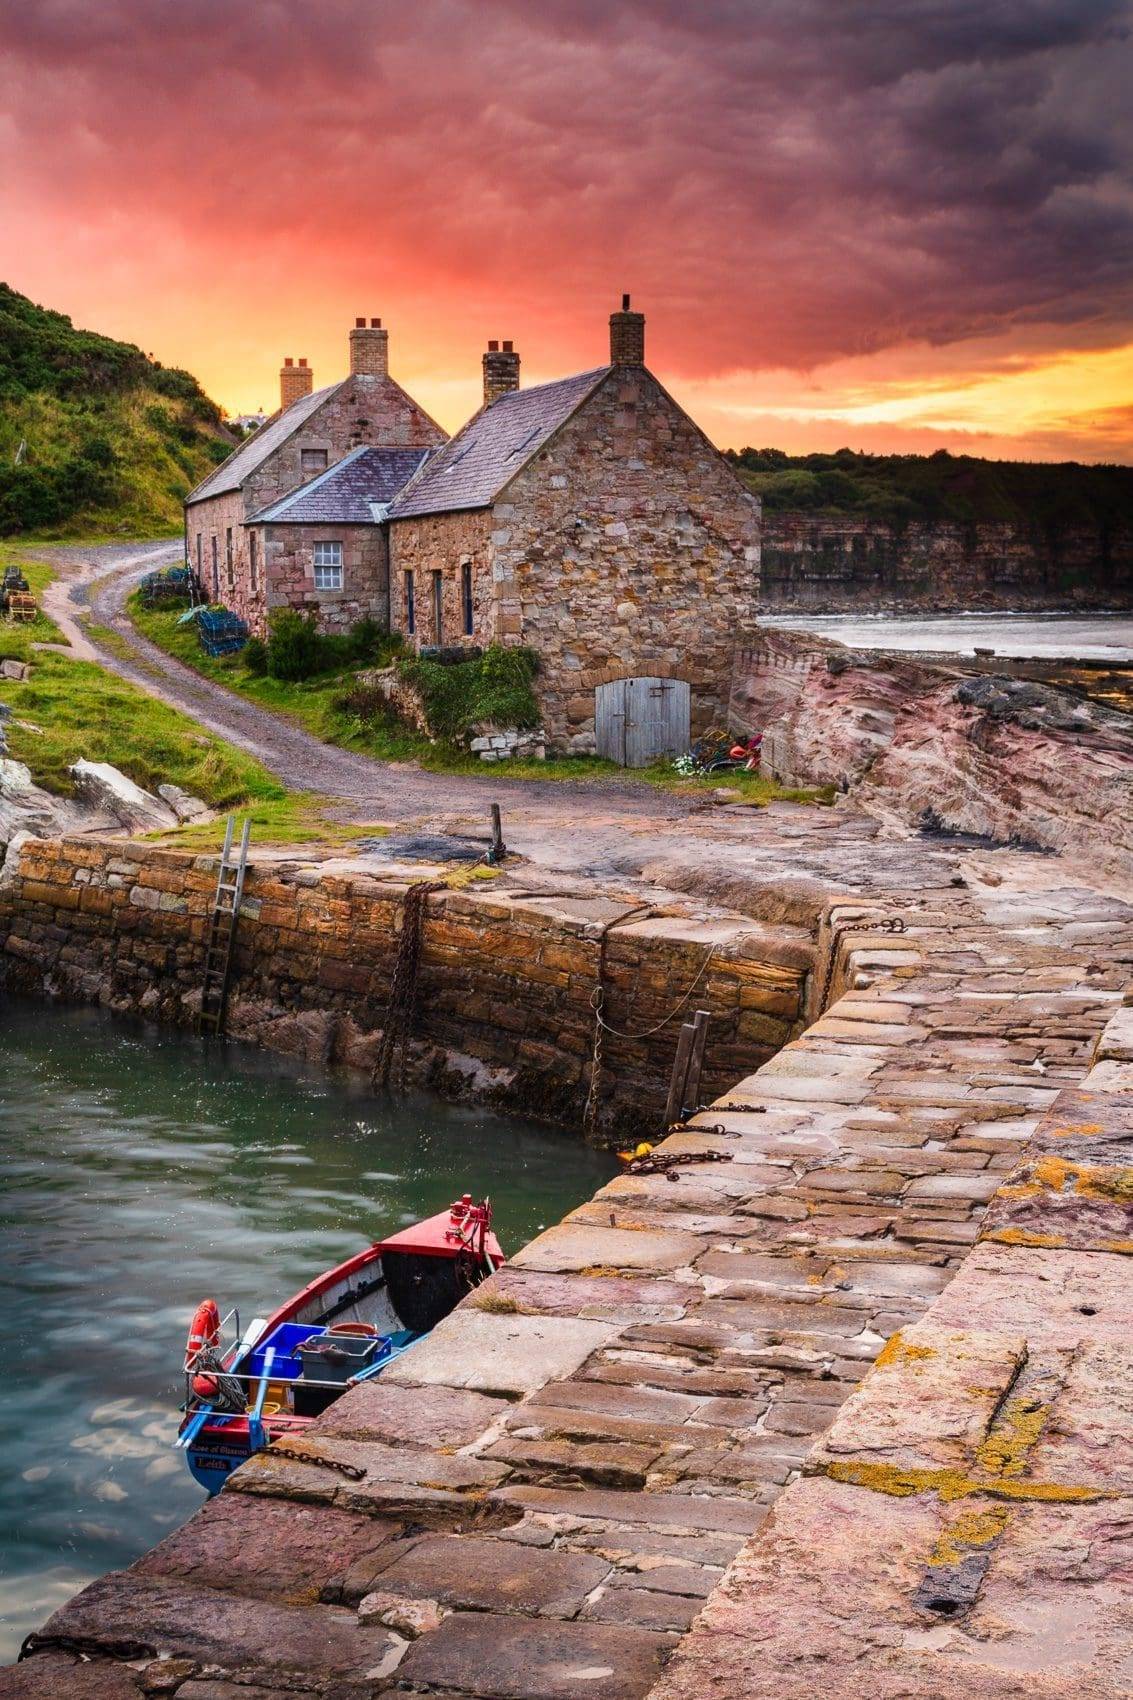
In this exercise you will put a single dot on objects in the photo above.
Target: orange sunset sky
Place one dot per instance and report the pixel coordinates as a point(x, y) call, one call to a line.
point(893, 224)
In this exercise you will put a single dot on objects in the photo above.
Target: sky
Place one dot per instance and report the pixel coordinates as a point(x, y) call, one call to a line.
point(897, 225)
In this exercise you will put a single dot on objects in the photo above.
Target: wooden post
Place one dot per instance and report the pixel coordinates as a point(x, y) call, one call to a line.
point(679, 1077)
point(696, 1061)
point(497, 850)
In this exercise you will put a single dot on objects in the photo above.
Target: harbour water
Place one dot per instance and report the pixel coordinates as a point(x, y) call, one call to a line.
point(1053, 637)
point(144, 1170)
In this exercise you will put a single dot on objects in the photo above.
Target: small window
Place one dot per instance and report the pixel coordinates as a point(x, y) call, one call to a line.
point(410, 605)
point(252, 557)
point(200, 566)
point(438, 607)
point(228, 555)
point(328, 566)
point(466, 597)
point(312, 461)
point(215, 570)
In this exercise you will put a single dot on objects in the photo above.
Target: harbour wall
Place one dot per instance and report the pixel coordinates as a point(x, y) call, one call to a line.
point(638, 1461)
point(503, 1007)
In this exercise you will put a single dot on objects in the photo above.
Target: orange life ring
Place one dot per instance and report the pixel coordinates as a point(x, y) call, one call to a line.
point(204, 1330)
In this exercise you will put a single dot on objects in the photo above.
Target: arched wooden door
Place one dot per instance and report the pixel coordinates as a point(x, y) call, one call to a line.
point(636, 721)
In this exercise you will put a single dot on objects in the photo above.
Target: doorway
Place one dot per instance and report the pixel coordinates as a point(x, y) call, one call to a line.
point(636, 721)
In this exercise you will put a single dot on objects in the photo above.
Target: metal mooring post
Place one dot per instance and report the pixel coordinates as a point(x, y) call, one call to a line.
point(497, 849)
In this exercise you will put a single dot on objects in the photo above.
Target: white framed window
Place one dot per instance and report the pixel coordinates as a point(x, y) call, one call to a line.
point(328, 566)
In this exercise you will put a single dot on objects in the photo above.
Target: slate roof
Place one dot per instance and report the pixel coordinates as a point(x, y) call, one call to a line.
point(473, 467)
point(230, 474)
point(343, 494)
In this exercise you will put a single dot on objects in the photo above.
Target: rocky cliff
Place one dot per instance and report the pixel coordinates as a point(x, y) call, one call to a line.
point(836, 562)
point(928, 747)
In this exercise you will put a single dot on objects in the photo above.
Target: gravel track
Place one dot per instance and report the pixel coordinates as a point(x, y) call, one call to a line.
point(359, 787)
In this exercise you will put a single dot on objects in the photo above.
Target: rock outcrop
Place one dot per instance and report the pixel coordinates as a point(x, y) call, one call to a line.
point(920, 746)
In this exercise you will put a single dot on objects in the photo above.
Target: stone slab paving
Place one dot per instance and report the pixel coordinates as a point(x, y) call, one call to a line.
point(643, 1460)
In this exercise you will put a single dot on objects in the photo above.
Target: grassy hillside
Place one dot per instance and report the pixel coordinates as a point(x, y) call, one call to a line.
point(112, 440)
point(902, 488)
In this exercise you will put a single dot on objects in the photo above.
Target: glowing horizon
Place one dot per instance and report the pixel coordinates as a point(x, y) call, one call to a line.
point(846, 226)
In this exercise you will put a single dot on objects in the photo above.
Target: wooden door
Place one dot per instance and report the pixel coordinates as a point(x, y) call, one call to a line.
point(637, 721)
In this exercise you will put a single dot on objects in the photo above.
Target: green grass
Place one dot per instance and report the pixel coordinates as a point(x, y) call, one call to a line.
point(316, 705)
point(80, 710)
point(16, 639)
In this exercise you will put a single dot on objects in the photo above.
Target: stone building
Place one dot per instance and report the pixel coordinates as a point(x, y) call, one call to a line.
point(592, 520)
point(311, 433)
point(324, 548)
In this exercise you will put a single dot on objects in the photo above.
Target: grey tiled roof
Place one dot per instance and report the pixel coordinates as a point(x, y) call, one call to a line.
point(343, 493)
point(244, 460)
point(475, 465)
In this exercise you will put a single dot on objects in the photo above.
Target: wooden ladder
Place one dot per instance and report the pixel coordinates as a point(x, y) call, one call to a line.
point(222, 929)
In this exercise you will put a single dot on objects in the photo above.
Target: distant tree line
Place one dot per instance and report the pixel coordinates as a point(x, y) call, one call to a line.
point(900, 489)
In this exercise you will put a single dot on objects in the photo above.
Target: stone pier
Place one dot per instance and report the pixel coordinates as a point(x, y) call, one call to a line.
point(643, 1460)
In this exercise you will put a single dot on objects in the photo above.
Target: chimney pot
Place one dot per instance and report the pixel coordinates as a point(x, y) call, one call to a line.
point(369, 350)
point(501, 371)
point(627, 337)
point(302, 362)
point(288, 361)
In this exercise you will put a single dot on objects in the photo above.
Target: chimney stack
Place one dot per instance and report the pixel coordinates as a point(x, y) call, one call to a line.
point(369, 350)
point(295, 381)
point(501, 371)
point(627, 337)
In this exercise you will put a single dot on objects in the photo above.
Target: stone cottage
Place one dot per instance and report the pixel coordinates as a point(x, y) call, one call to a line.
point(311, 433)
point(592, 520)
point(324, 548)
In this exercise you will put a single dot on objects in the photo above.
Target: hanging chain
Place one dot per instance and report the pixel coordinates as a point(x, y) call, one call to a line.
point(403, 986)
point(838, 930)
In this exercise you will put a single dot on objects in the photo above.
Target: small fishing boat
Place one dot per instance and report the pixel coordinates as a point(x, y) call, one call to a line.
point(275, 1377)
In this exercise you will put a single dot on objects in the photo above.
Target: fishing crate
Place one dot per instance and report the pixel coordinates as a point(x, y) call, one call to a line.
point(221, 632)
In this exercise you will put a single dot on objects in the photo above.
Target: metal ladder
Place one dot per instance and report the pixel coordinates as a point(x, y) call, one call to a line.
point(222, 929)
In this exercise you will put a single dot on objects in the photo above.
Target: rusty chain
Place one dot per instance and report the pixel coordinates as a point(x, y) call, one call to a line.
point(280, 1449)
point(403, 986)
point(838, 930)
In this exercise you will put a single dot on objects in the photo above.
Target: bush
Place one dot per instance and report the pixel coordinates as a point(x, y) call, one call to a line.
point(496, 688)
point(255, 656)
point(296, 646)
point(293, 646)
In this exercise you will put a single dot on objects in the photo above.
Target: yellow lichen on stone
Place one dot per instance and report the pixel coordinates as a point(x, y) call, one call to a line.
point(1060, 1175)
point(897, 1350)
point(1005, 1450)
point(970, 1532)
point(903, 1482)
point(1024, 1236)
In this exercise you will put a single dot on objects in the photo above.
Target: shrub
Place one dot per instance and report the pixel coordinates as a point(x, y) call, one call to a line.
point(293, 646)
point(255, 656)
point(496, 687)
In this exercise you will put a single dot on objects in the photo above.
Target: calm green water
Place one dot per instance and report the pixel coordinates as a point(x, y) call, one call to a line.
point(142, 1172)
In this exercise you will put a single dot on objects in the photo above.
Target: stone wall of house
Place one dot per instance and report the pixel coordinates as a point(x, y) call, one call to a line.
point(215, 522)
point(287, 554)
point(505, 984)
point(835, 563)
point(626, 547)
point(364, 409)
point(442, 543)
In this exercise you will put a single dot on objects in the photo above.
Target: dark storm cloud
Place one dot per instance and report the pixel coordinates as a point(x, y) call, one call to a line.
point(784, 182)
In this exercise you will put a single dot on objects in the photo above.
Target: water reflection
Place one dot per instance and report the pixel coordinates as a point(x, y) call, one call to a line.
point(143, 1171)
